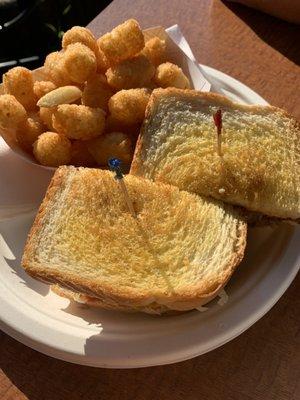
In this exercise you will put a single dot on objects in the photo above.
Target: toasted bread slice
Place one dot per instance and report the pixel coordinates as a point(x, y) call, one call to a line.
point(176, 255)
point(260, 166)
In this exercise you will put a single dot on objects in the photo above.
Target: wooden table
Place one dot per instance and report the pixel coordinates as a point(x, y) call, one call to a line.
point(264, 362)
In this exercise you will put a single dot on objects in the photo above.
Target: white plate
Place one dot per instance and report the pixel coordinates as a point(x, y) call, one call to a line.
point(48, 323)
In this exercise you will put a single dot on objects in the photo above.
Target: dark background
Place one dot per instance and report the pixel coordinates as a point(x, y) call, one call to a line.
point(30, 29)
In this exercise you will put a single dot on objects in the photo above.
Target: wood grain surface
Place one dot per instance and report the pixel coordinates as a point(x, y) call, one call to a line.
point(264, 362)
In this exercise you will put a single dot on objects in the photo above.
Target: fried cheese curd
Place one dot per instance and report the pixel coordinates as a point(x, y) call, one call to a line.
point(46, 114)
point(41, 88)
point(136, 72)
point(128, 106)
point(12, 113)
point(170, 75)
point(79, 62)
point(28, 132)
point(155, 50)
point(18, 81)
point(123, 42)
point(78, 121)
point(79, 34)
point(52, 149)
point(55, 69)
point(97, 92)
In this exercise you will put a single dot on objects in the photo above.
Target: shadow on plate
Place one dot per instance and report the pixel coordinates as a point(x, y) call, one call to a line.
point(279, 34)
point(12, 242)
point(264, 245)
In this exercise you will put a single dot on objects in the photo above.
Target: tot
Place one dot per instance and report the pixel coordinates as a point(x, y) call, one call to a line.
point(124, 41)
point(133, 73)
point(79, 122)
point(155, 50)
point(79, 34)
point(46, 114)
point(52, 149)
point(113, 144)
point(18, 81)
point(128, 106)
point(12, 113)
point(55, 69)
point(40, 88)
point(28, 133)
point(79, 62)
point(80, 155)
point(97, 92)
point(170, 75)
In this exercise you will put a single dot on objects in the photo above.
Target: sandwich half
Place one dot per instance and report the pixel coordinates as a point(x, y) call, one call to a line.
point(260, 164)
point(177, 254)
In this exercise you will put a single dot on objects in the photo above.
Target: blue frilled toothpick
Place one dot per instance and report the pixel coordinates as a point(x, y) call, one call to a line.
point(115, 166)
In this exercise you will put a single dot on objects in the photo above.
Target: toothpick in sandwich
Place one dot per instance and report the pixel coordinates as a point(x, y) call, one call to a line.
point(115, 166)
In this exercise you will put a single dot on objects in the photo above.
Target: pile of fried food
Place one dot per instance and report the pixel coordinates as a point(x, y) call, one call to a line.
point(92, 101)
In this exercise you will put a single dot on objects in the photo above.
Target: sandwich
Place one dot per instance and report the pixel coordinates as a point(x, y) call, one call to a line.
point(175, 254)
point(258, 169)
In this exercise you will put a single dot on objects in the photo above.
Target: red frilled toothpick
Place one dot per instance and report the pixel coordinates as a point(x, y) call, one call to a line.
point(218, 123)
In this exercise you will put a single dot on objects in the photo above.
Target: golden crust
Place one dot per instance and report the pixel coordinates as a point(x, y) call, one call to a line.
point(183, 299)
